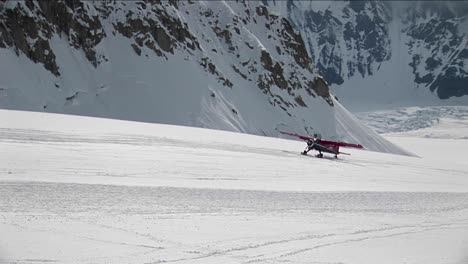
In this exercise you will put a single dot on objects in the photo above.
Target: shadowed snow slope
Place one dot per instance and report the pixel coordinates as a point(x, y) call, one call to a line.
point(88, 190)
point(348, 127)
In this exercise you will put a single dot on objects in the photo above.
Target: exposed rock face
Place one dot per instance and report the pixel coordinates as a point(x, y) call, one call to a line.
point(346, 40)
point(31, 34)
point(439, 49)
point(349, 40)
point(167, 32)
point(237, 44)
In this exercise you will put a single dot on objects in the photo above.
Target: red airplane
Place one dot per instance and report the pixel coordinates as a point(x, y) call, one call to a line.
point(321, 145)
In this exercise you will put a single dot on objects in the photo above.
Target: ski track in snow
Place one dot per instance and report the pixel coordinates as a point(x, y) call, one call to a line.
point(95, 195)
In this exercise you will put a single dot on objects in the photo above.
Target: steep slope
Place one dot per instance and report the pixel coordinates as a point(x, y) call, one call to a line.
point(223, 65)
point(386, 52)
point(351, 129)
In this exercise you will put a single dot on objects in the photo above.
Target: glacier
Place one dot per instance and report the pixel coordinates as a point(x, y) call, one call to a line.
point(85, 190)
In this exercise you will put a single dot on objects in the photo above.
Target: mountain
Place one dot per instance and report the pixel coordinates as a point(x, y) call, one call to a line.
point(178, 62)
point(386, 52)
point(218, 64)
point(193, 63)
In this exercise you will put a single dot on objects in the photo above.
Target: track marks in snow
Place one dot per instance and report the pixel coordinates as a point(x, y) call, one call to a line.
point(157, 225)
point(40, 136)
point(245, 199)
point(354, 237)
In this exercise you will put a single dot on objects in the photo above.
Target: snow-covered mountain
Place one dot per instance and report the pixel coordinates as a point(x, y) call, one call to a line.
point(218, 64)
point(223, 65)
point(391, 52)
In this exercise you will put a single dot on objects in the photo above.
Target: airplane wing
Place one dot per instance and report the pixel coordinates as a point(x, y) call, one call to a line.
point(296, 135)
point(341, 144)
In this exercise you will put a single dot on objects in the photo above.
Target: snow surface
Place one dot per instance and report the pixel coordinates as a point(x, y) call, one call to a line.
point(415, 118)
point(351, 129)
point(88, 190)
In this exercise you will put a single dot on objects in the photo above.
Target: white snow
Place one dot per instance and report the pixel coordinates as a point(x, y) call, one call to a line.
point(88, 190)
point(350, 129)
point(439, 120)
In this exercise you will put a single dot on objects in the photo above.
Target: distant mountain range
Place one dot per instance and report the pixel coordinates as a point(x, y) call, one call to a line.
point(386, 51)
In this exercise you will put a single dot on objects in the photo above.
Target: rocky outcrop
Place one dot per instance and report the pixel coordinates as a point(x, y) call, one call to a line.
point(29, 26)
point(361, 31)
point(167, 33)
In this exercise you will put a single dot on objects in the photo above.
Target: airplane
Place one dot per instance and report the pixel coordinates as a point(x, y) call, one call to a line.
point(321, 145)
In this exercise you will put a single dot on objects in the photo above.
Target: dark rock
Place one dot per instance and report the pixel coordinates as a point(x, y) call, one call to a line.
point(136, 49)
point(299, 101)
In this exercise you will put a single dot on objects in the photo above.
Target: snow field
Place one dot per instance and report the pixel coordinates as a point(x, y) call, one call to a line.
point(88, 190)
